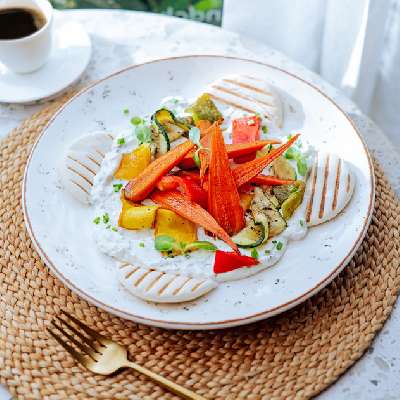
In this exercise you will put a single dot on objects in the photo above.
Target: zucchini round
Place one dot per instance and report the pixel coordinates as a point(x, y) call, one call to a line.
point(169, 128)
point(251, 236)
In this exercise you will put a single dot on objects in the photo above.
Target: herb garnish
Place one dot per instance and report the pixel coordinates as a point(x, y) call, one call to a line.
point(117, 187)
point(96, 220)
point(254, 253)
point(279, 246)
point(106, 218)
point(136, 121)
point(121, 141)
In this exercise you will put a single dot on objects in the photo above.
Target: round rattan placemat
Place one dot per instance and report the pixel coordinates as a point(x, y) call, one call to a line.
point(292, 356)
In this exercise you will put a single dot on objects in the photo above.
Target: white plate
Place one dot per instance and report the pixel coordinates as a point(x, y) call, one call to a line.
point(61, 228)
point(68, 60)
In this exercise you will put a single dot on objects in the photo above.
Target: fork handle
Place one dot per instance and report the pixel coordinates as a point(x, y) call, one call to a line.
point(166, 383)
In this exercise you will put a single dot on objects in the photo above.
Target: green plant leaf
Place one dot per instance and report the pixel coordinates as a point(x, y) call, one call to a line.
point(201, 245)
point(143, 134)
point(166, 243)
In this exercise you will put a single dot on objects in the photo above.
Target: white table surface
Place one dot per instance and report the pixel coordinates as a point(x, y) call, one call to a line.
point(121, 38)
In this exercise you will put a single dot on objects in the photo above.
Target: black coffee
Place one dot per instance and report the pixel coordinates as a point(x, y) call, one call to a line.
point(17, 23)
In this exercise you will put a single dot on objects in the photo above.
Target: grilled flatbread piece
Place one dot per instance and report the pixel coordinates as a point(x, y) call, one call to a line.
point(81, 163)
point(248, 95)
point(329, 188)
point(161, 287)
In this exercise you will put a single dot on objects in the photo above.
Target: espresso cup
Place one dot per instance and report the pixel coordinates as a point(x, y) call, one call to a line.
point(28, 53)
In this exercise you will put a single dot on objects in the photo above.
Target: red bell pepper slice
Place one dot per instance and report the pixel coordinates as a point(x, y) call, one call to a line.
point(188, 186)
point(193, 175)
point(228, 261)
point(139, 188)
point(179, 203)
point(223, 196)
point(266, 180)
point(247, 171)
point(245, 130)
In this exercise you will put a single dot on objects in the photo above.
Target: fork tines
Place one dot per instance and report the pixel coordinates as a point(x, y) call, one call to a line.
point(77, 339)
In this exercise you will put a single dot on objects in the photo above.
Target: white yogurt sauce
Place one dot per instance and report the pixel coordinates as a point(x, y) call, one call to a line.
point(137, 247)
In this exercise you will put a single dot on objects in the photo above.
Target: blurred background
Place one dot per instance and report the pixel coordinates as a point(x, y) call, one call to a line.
point(353, 44)
point(209, 11)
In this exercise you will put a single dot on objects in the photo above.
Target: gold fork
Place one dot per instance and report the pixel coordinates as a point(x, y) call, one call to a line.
point(103, 356)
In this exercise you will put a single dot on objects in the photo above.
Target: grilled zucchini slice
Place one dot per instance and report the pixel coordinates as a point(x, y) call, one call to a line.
point(168, 129)
point(252, 235)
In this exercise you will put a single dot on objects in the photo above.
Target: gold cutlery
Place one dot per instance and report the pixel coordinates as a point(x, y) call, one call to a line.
point(102, 355)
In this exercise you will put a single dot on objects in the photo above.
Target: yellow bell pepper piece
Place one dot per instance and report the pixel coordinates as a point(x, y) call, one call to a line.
point(173, 225)
point(137, 217)
point(132, 164)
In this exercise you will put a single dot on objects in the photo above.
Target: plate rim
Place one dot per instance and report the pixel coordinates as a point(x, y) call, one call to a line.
point(199, 325)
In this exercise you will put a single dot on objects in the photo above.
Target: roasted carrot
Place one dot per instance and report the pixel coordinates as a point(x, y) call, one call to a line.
point(138, 189)
point(223, 196)
point(233, 150)
point(177, 202)
point(245, 130)
point(245, 172)
point(270, 180)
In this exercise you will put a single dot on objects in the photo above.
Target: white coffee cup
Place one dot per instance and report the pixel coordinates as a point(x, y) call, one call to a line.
point(28, 53)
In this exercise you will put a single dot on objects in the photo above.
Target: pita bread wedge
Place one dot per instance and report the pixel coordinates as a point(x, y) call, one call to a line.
point(161, 287)
point(247, 95)
point(81, 163)
point(329, 188)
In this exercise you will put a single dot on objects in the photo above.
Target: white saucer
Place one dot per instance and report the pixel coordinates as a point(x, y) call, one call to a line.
point(68, 60)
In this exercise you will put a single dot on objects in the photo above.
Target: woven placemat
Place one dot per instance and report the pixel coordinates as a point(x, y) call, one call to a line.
point(293, 356)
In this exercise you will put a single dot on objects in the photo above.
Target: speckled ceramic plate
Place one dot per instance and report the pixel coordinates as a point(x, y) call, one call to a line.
point(61, 228)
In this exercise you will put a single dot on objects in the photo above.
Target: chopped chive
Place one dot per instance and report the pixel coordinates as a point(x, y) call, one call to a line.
point(136, 121)
point(267, 252)
point(121, 141)
point(96, 220)
point(274, 241)
point(125, 111)
point(254, 253)
point(114, 229)
point(265, 129)
point(301, 222)
point(279, 246)
point(117, 187)
point(141, 244)
point(106, 218)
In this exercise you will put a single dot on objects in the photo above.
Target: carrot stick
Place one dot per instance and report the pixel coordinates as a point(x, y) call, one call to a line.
point(245, 172)
point(233, 150)
point(138, 189)
point(177, 202)
point(270, 180)
point(223, 196)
